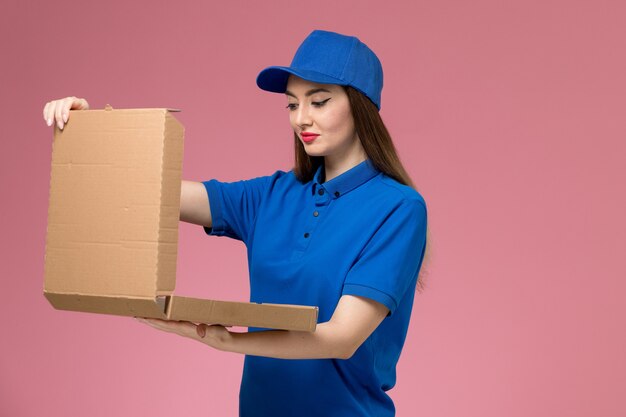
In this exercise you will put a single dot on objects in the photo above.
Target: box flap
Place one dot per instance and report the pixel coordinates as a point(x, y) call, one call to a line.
point(123, 306)
point(271, 316)
point(114, 204)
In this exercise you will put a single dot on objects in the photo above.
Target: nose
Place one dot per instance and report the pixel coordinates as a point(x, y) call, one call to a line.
point(302, 116)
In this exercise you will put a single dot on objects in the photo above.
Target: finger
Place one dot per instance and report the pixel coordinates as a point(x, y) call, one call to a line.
point(58, 113)
point(73, 103)
point(51, 109)
point(187, 329)
point(157, 323)
point(68, 104)
point(79, 104)
point(182, 328)
point(45, 114)
point(201, 330)
point(61, 111)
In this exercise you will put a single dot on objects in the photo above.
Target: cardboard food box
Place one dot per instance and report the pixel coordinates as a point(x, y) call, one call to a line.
point(112, 237)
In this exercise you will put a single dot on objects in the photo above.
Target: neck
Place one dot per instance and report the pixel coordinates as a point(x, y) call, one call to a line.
point(335, 165)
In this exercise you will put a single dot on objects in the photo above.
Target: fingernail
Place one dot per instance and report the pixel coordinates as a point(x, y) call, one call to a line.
point(65, 117)
point(60, 124)
point(49, 122)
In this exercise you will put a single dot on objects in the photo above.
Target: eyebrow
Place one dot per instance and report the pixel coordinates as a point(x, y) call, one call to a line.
point(308, 93)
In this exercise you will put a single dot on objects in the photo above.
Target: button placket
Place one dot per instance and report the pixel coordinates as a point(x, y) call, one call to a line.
point(321, 201)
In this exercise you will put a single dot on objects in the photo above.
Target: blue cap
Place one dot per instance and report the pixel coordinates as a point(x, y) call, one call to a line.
point(330, 58)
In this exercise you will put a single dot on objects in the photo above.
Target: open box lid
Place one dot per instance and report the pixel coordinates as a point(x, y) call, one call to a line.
point(113, 216)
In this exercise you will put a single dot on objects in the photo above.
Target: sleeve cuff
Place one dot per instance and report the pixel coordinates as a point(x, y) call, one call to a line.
point(215, 203)
point(371, 293)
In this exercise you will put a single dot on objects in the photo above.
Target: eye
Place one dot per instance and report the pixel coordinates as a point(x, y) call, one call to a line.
point(291, 106)
point(319, 103)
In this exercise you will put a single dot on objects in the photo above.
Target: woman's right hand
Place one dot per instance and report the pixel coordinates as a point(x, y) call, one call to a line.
point(58, 111)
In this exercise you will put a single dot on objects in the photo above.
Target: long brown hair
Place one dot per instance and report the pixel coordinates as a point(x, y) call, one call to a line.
point(378, 146)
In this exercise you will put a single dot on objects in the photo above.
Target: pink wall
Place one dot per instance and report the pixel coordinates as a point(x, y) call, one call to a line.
point(509, 116)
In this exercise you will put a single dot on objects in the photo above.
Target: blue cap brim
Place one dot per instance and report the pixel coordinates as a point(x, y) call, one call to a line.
point(275, 79)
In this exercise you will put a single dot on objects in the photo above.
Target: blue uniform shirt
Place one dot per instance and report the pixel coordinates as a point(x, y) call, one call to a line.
point(361, 233)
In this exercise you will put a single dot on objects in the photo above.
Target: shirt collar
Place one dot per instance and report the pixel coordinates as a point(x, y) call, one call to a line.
point(347, 181)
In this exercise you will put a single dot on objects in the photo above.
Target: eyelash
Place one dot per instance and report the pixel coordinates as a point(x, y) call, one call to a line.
point(291, 106)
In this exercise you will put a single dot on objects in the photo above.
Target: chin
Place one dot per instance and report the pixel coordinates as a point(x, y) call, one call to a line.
point(315, 153)
point(315, 150)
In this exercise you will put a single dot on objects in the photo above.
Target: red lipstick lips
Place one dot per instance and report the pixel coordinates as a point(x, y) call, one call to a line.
point(309, 137)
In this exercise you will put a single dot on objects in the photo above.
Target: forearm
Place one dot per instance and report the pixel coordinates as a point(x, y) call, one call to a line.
point(353, 321)
point(323, 343)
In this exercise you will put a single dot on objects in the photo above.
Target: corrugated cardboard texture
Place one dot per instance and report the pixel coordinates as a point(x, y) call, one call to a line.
point(114, 204)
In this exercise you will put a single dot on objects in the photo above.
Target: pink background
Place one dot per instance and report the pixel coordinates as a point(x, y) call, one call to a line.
point(509, 115)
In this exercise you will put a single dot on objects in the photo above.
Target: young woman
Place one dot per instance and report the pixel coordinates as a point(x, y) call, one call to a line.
point(344, 230)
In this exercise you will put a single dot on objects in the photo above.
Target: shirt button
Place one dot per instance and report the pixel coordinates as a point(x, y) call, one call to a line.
point(321, 191)
point(336, 193)
point(316, 213)
point(306, 235)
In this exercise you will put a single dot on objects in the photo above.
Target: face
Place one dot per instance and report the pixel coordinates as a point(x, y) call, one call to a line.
point(321, 117)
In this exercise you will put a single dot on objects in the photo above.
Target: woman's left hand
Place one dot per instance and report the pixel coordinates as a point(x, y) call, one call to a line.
point(214, 335)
